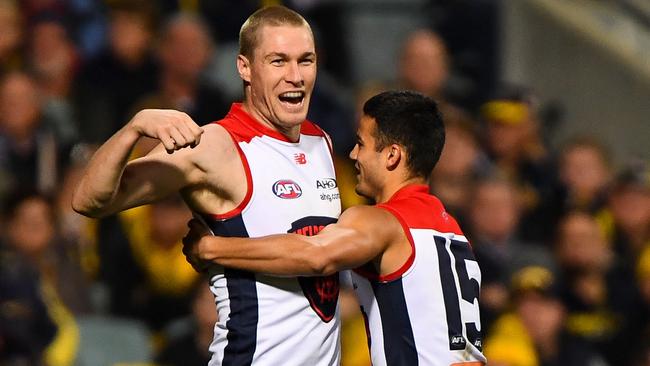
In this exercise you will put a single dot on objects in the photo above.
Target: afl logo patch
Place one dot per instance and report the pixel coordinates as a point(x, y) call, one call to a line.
point(287, 189)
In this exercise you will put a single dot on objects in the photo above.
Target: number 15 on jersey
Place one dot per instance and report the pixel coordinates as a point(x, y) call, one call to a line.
point(460, 278)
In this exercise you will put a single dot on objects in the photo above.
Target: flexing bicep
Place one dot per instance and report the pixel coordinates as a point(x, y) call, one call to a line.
point(148, 180)
point(159, 173)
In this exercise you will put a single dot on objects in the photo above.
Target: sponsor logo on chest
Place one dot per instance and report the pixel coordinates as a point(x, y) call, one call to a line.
point(300, 158)
point(327, 184)
point(287, 189)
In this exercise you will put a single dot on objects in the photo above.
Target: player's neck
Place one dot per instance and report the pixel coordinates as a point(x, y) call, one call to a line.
point(290, 132)
point(392, 186)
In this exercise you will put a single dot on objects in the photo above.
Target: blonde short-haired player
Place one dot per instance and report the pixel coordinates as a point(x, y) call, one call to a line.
point(253, 173)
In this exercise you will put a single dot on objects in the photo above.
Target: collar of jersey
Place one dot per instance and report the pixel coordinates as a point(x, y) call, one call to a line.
point(238, 112)
point(409, 190)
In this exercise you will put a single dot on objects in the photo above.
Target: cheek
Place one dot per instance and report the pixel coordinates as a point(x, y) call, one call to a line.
point(310, 75)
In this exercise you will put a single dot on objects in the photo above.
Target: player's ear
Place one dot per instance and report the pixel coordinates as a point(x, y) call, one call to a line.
point(244, 68)
point(394, 156)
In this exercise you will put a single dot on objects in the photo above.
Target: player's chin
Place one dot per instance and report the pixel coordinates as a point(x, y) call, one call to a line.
point(294, 117)
point(359, 189)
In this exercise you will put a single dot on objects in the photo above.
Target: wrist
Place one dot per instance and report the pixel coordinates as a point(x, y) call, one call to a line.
point(204, 247)
point(132, 132)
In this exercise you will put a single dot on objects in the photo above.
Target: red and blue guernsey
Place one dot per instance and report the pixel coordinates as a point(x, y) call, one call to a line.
point(427, 312)
point(292, 188)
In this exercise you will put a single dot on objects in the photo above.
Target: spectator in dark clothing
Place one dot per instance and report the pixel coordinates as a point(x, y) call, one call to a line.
point(334, 113)
point(32, 234)
point(53, 60)
point(584, 173)
point(184, 52)
point(111, 83)
point(629, 208)
point(142, 263)
point(493, 217)
point(25, 326)
point(191, 347)
point(12, 36)
point(533, 333)
point(516, 150)
point(30, 154)
point(601, 296)
point(453, 177)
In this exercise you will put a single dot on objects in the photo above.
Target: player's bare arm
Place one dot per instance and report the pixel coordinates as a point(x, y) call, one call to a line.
point(111, 183)
point(363, 234)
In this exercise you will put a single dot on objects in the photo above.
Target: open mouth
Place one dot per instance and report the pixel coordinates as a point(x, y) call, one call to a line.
point(293, 98)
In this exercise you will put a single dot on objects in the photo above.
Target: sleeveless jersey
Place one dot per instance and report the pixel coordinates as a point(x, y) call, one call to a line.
point(292, 188)
point(427, 312)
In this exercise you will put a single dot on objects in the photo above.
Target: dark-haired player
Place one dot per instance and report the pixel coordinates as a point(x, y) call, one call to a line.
point(414, 272)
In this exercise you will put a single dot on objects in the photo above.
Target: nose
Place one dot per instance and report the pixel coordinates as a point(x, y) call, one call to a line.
point(354, 152)
point(293, 74)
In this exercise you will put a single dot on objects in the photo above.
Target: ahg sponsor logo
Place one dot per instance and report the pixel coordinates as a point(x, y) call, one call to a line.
point(287, 189)
point(326, 183)
point(330, 196)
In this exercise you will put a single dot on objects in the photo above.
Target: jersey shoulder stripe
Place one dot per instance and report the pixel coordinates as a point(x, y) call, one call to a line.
point(370, 273)
point(414, 208)
point(243, 127)
point(422, 210)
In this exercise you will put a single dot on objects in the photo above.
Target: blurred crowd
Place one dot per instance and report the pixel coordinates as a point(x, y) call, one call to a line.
point(562, 236)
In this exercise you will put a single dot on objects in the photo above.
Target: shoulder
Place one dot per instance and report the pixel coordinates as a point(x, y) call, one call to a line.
point(216, 145)
point(364, 211)
point(371, 219)
point(216, 133)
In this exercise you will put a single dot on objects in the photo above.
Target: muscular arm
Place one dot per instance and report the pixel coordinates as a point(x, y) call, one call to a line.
point(111, 183)
point(362, 234)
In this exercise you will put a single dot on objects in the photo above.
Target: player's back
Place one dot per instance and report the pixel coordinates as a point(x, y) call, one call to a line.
point(426, 313)
point(266, 320)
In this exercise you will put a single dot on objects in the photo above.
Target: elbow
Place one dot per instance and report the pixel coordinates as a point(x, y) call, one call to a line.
point(87, 207)
point(86, 210)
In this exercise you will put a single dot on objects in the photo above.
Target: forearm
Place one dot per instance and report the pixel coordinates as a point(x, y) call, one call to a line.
point(101, 180)
point(280, 255)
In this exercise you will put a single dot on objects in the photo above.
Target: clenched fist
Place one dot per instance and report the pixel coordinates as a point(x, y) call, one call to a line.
point(174, 129)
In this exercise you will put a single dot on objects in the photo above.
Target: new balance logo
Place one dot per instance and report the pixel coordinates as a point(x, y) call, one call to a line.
point(300, 158)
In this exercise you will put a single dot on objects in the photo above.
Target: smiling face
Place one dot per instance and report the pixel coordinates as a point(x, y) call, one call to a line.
point(367, 160)
point(280, 77)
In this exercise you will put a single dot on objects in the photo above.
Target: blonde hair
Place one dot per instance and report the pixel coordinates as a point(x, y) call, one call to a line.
point(271, 15)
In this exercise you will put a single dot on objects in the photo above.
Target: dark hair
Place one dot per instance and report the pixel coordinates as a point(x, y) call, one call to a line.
point(272, 15)
point(588, 142)
point(14, 201)
point(145, 10)
point(412, 120)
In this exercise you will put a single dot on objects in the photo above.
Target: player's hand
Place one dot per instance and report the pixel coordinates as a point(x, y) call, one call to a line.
point(174, 129)
point(192, 245)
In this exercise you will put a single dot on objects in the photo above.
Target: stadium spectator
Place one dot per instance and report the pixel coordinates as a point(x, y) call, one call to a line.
point(493, 217)
point(123, 72)
point(11, 36)
point(600, 296)
point(533, 334)
point(30, 154)
point(184, 51)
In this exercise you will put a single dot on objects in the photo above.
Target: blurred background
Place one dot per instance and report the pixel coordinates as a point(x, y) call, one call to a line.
point(547, 109)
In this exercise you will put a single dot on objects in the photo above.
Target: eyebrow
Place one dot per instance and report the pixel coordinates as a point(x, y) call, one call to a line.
point(285, 56)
